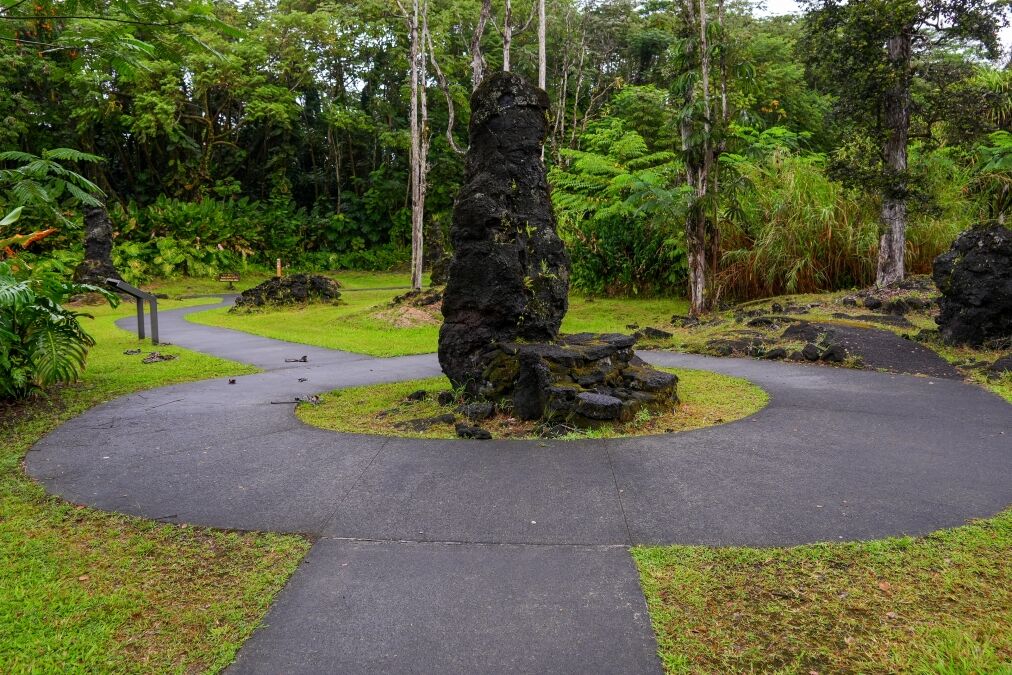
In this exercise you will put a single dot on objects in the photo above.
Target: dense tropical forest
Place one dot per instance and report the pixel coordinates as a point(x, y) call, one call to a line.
point(695, 148)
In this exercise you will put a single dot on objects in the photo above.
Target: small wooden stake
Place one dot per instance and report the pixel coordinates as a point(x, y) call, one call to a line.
point(279, 268)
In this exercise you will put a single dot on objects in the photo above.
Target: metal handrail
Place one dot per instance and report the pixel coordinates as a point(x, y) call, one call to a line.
point(140, 296)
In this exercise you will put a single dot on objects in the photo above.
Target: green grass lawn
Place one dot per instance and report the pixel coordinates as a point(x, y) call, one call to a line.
point(86, 591)
point(935, 604)
point(361, 325)
point(350, 280)
point(706, 399)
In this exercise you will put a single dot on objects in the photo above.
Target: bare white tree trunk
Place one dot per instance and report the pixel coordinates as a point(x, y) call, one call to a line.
point(477, 60)
point(704, 64)
point(421, 168)
point(542, 37)
point(579, 86)
point(418, 126)
point(507, 34)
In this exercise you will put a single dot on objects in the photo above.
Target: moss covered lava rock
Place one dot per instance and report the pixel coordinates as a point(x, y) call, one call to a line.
point(584, 380)
point(296, 289)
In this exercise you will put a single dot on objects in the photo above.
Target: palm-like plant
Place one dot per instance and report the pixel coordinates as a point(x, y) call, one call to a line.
point(42, 183)
point(41, 341)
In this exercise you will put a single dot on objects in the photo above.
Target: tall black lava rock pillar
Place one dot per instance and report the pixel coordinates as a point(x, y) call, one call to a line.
point(509, 279)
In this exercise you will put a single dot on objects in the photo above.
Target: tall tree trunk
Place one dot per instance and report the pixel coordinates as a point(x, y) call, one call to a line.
point(892, 246)
point(542, 59)
point(507, 33)
point(696, 167)
point(417, 163)
point(419, 140)
point(477, 60)
point(725, 113)
point(579, 86)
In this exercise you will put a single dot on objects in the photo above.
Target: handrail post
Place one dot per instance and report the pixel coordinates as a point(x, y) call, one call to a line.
point(153, 303)
point(140, 319)
point(140, 296)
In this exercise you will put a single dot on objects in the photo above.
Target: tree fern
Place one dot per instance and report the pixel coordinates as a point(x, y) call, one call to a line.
point(42, 184)
point(618, 206)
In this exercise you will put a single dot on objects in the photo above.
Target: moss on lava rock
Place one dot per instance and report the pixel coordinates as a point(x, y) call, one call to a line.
point(297, 289)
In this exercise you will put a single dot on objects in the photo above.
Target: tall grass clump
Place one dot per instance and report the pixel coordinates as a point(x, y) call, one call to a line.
point(788, 228)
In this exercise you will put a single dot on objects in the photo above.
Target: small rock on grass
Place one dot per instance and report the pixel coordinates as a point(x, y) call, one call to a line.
point(811, 352)
point(426, 423)
point(417, 395)
point(445, 398)
point(776, 354)
point(835, 353)
point(1000, 367)
point(155, 357)
point(652, 333)
point(477, 433)
point(477, 411)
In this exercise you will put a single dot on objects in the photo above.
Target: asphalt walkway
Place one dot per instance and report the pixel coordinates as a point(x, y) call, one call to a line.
point(437, 556)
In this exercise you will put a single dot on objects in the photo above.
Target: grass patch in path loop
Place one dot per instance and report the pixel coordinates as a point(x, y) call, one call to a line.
point(707, 399)
point(91, 592)
point(935, 604)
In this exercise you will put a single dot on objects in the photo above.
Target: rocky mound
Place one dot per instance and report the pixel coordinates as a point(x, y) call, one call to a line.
point(419, 298)
point(913, 294)
point(975, 278)
point(583, 380)
point(832, 343)
point(297, 289)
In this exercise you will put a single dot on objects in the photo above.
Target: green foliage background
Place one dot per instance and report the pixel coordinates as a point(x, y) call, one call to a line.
point(232, 133)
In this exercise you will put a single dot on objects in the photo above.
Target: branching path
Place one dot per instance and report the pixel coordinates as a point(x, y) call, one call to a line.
point(434, 556)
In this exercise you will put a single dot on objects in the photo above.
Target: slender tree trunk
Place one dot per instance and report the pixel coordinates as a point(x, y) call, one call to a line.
point(507, 34)
point(892, 246)
point(542, 58)
point(336, 155)
point(419, 139)
point(696, 169)
point(477, 60)
point(713, 238)
point(417, 206)
point(725, 113)
point(579, 86)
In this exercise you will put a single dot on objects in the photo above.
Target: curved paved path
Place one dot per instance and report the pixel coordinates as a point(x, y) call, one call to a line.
point(506, 556)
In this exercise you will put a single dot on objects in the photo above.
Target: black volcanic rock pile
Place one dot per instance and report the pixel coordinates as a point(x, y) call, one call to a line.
point(582, 379)
point(975, 279)
point(296, 289)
